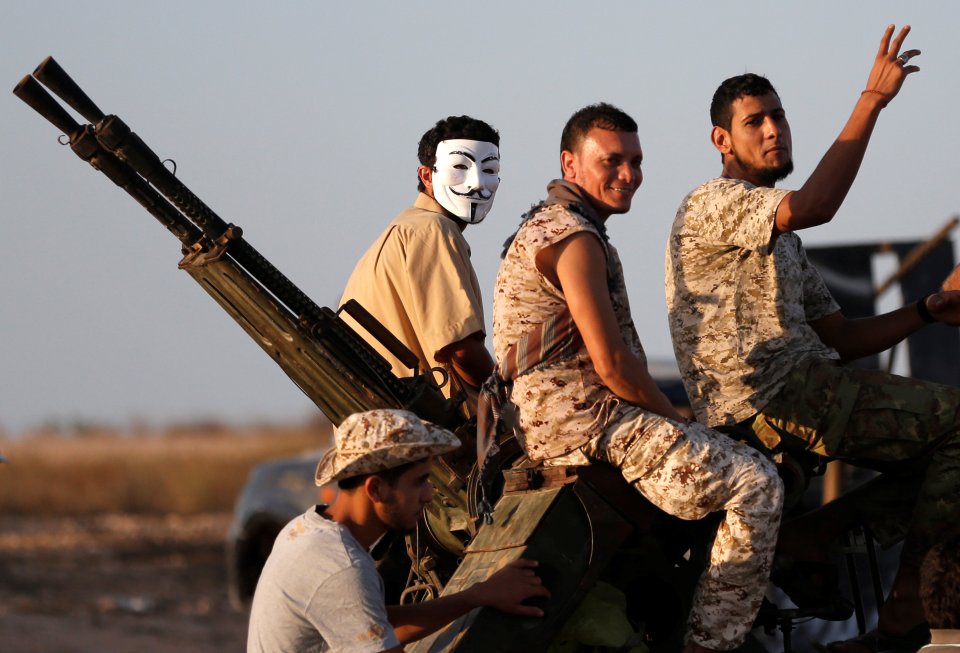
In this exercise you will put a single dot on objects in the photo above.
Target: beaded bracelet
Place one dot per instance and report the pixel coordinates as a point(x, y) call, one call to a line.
point(886, 98)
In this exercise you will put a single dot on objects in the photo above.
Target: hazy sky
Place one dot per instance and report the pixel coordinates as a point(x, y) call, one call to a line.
point(299, 122)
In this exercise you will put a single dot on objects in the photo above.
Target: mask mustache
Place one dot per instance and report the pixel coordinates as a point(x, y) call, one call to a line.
point(475, 194)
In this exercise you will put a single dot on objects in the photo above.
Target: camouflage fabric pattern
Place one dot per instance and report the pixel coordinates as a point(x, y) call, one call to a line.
point(705, 472)
point(560, 406)
point(567, 415)
point(377, 440)
point(880, 420)
point(739, 303)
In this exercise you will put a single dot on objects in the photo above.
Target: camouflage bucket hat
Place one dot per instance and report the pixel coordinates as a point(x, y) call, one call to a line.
point(377, 440)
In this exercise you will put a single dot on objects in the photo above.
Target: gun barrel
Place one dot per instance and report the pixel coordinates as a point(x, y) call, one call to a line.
point(57, 80)
point(30, 91)
point(85, 145)
point(147, 196)
point(116, 136)
point(324, 356)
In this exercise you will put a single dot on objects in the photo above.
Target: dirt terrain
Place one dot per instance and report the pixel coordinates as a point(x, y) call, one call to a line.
point(116, 584)
point(133, 584)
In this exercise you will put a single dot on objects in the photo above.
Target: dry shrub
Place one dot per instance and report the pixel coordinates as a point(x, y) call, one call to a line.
point(184, 471)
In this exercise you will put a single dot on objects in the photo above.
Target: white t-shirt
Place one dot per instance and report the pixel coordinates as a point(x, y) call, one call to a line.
point(319, 591)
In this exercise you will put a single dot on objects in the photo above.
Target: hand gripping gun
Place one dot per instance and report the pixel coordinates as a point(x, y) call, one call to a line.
point(320, 353)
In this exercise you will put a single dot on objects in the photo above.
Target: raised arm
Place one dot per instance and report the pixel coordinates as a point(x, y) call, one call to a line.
point(820, 197)
point(578, 266)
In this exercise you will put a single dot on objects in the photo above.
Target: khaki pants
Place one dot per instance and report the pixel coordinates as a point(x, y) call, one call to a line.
point(702, 472)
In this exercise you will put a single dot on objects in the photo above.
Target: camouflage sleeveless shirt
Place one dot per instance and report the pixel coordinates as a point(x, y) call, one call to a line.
point(560, 406)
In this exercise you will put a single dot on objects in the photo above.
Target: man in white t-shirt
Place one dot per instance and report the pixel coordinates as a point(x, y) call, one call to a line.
point(319, 590)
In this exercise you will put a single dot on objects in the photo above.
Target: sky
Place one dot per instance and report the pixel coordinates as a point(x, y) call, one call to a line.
point(299, 122)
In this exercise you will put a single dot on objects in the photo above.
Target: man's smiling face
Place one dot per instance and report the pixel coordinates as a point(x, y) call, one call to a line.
point(607, 166)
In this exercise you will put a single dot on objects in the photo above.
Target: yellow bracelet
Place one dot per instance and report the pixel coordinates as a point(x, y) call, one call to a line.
point(883, 96)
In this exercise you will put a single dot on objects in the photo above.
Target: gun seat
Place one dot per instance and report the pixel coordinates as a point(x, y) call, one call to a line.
point(604, 479)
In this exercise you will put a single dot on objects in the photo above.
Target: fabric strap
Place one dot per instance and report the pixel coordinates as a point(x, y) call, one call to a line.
point(546, 344)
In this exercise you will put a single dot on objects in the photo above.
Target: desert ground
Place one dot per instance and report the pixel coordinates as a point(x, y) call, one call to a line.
point(114, 541)
point(116, 583)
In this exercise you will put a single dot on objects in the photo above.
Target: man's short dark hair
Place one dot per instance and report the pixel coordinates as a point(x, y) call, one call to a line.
point(940, 585)
point(448, 129)
point(596, 116)
point(391, 476)
point(731, 90)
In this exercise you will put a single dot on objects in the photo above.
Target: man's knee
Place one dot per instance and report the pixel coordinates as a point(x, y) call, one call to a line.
point(765, 481)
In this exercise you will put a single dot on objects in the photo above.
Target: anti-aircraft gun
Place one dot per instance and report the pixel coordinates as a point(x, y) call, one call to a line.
point(574, 521)
point(320, 352)
point(336, 368)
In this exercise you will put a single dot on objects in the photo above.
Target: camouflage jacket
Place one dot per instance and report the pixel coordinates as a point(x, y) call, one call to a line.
point(739, 300)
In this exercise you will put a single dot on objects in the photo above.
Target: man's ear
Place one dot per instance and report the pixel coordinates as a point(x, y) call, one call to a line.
point(720, 138)
point(373, 487)
point(567, 160)
point(426, 178)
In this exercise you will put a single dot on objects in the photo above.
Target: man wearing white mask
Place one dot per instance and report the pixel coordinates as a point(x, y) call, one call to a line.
point(417, 279)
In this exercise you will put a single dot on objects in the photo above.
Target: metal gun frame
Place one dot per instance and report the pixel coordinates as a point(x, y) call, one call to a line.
point(320, 353)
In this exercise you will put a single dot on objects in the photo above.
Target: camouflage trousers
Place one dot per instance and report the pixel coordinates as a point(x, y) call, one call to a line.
point(703, 472)
point(907, 428)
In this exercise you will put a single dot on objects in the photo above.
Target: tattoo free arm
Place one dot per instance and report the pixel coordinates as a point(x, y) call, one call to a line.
point(578, 266)
point(820, 197)
point(505, 590)
point(469, 358)
point(870, 335)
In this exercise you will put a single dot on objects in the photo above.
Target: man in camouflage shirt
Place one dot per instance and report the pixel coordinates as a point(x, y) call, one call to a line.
point(596, 401)
point(759, 337)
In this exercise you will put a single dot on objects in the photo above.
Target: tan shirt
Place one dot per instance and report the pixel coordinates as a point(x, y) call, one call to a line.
point(564, 405)
point(942, 641)
point(739, 302)
point(417, 280)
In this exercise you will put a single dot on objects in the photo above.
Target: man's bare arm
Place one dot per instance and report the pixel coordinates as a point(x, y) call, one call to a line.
point(578, 266)
point(870, 335)
point(505, 591)
point(820, 197)
point(469, 358)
